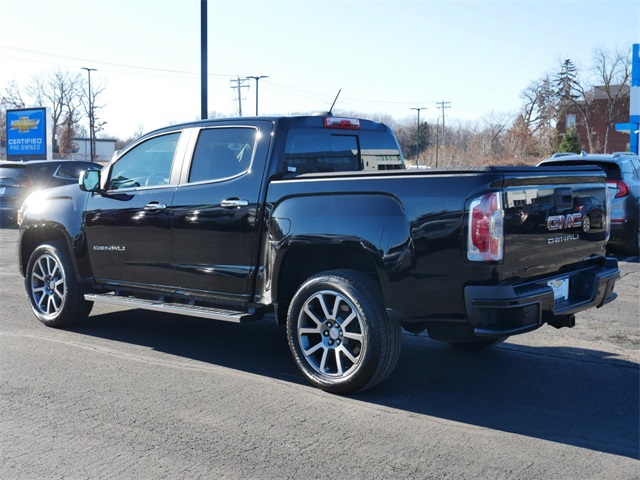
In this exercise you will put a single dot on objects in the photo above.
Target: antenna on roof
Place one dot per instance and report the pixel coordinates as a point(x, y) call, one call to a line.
point(334, 102)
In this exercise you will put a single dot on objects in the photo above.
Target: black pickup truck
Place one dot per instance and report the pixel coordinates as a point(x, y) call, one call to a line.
point(314, 222)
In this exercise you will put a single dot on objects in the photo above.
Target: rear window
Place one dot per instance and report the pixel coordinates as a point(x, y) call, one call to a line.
point(612, 170)
point(11, 174)
point(312, 150)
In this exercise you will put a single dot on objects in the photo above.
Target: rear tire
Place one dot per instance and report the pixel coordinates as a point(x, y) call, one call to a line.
point(339, 333)
point(56, 297)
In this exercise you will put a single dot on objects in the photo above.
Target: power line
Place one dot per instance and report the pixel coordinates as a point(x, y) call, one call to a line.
point(240, 84)
point(121, 65)
point(443, 105)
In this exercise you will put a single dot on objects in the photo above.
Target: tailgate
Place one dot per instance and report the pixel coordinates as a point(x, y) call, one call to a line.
point(553, 217)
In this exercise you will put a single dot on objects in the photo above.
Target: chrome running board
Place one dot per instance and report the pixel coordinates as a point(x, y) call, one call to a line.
point(234, 316)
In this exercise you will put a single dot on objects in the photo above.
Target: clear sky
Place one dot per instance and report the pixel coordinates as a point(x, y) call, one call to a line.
point(386, 56)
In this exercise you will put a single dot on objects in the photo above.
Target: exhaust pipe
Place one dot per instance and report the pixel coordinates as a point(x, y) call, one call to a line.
point(564, 321)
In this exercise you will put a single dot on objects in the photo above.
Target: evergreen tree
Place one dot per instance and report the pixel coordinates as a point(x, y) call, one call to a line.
point(570, 142)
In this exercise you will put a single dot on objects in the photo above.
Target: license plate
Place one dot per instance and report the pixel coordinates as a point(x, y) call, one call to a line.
point(560, 289)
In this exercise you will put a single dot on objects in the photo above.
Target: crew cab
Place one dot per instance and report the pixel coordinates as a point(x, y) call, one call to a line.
point(314, 222)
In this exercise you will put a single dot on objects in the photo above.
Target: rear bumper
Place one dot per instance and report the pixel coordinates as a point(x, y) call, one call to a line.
point(500, 310)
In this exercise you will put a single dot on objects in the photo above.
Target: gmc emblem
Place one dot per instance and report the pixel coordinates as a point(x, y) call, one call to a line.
point(560, 222)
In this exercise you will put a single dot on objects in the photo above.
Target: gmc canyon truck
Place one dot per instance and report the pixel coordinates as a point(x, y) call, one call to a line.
point(314, 222)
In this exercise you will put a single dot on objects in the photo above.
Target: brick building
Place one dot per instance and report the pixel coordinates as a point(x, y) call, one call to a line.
point(618, 142)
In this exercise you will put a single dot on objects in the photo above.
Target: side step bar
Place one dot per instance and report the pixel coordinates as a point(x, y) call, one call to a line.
point(234, 316)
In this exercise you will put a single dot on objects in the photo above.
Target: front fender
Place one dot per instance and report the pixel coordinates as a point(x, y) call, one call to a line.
point(55, 214)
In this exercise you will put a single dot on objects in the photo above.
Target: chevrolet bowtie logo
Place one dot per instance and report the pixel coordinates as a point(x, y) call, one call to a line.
point(23, 124)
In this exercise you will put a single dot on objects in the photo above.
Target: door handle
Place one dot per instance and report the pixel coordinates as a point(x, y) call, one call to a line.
point(234, 202)
point(155, 206)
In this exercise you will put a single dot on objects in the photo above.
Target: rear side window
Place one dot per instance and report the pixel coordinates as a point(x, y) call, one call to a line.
point(72, 170)
point(67, 172)
point(628, 169)
point(222, 153)
point(43, 173)
point(636, 166)
point(316, 150)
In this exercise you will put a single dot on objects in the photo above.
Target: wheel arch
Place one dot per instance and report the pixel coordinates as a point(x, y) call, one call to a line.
point(33, 236)
point(366, 232)
point(303, 261)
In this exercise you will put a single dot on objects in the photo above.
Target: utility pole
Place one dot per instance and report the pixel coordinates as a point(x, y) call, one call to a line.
point(92, 133)
point(418, 135)
point(257, 78)
point(239, 84)
point(437, 139)
point(204, 78)
point(444, 105)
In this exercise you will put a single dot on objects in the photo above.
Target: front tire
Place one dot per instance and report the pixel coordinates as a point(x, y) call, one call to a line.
point(339, 333)
point(56, 297)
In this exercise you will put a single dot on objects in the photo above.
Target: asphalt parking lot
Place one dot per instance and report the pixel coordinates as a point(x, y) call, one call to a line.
point(135, 394)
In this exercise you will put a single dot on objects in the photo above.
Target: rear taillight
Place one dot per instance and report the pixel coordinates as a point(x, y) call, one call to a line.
point(486, 226)
point(621, 188)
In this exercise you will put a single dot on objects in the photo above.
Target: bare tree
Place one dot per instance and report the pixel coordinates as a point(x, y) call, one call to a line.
point(533, 133)
point(59, 90)
point(612, 73)
point(495, 126)
point(96, 91)
point(11, 98)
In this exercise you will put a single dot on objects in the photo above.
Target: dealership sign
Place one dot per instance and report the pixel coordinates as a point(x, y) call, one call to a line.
point(28, 134)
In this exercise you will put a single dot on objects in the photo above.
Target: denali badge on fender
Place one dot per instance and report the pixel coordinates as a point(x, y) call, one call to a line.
point(109, 248)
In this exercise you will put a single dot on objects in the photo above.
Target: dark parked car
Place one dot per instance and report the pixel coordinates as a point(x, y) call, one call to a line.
point(623, 178)
point(19, 179)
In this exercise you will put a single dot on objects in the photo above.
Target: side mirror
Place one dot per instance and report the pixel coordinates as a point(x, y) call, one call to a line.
point(89, 181)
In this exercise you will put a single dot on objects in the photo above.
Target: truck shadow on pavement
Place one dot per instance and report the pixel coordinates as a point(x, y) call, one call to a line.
point(583, 398)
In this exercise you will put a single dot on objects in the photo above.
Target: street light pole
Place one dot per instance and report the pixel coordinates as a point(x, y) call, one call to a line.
point(92, 148)
point(418, 134)
point(204, 69)
point(257, 78)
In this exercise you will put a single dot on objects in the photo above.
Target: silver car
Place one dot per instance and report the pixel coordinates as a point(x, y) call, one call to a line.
point(623, 177)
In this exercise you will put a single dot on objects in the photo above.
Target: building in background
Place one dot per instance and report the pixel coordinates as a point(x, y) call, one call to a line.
point(105, 149)
point(599, 119)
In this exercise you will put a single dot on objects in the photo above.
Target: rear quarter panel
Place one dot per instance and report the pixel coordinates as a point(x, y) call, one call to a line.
point(410, 223)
